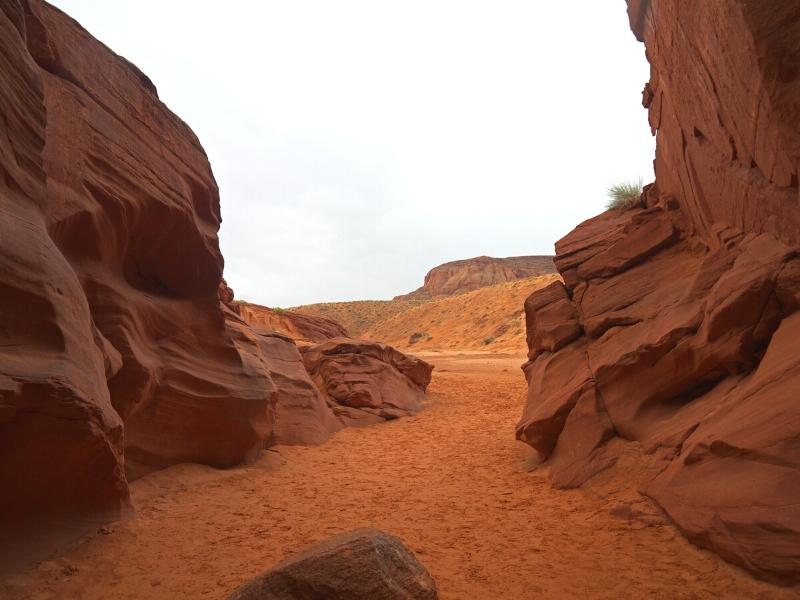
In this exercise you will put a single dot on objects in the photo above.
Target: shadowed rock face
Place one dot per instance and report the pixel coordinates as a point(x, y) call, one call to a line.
point(364, 564)
point(110, 319)
point(676, 325)
point(462, 276)
point(61, 440)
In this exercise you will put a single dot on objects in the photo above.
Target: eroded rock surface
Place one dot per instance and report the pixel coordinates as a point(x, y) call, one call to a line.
point(116, 352)
point(363, 564)
point(61, 440)
point(367, 382)
point(302, 328)
point(676, 325)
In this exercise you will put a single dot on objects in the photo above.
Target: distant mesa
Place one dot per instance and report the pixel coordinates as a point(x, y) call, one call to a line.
point(461, 276)
point(364, 317)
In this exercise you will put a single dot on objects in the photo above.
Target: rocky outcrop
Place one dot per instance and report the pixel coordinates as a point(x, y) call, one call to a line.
point(302, 328)
point(133, 207)
point(462, 276)
point(367, 382)
point(117, 353)
point(676, 325)
point(363, 564)
point(724, 99)
point(297, 412)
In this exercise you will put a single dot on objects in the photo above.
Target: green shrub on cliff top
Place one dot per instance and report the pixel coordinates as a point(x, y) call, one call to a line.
point(624, 195)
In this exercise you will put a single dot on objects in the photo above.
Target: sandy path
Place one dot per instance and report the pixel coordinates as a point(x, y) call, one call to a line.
point(451, 482)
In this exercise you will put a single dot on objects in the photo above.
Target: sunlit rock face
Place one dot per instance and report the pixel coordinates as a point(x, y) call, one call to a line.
point(676, 326)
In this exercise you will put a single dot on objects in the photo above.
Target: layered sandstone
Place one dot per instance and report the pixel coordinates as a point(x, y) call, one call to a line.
point(117, 353)
point(462, 276)
point(676, 325)
point(367, 382)
point(302, 328)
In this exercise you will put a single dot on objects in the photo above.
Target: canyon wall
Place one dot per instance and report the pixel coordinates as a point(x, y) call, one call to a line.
point(116, 355)
point(676, 326)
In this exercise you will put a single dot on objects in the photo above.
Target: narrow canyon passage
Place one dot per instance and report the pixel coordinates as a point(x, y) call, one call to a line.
point(451, 483)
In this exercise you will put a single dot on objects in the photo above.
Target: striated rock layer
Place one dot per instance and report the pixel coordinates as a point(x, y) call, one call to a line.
point(302, 328)
point(676, 325)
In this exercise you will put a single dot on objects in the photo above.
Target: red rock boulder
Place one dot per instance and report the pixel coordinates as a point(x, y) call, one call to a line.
point(363, 564)
point(367, 382)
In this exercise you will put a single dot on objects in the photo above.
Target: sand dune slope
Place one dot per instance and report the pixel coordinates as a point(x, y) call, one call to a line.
point(486, 319)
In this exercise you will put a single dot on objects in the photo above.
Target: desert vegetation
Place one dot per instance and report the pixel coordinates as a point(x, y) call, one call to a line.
point(624, 195)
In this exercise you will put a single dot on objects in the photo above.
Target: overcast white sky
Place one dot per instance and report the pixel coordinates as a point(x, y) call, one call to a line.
point(357, 144)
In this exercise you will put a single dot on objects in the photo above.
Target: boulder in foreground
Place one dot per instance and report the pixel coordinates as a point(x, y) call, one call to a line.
point(363, 564)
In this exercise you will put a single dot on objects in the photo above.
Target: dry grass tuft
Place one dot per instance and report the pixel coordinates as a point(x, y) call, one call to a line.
point(624, 195)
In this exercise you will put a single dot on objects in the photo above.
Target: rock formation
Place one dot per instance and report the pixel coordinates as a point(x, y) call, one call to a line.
point(362, 318)
point(462, 276)
point(117, 353)
point(676, 325)
point(367, 382)
point(363, 564)
point(302, 328)
point(53, 359)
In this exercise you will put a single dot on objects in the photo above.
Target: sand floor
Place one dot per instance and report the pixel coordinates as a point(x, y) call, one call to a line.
point(451, 482)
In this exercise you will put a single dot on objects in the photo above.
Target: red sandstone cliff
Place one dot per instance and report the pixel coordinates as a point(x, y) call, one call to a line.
point(115, 351)
point(677, 324)
point(462, 276)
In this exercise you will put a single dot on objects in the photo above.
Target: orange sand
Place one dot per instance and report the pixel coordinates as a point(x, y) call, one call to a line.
point(451, 482)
